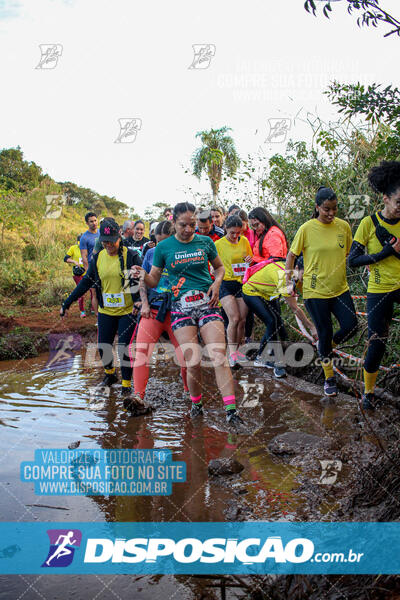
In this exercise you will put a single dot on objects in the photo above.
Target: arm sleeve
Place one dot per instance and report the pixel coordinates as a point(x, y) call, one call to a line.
point(358, 258)
point(69, 254)
point(83, 286)
point(297, 246)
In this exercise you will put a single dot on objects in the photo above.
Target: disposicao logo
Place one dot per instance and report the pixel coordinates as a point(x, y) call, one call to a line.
point(191, 550)
point(63, 543)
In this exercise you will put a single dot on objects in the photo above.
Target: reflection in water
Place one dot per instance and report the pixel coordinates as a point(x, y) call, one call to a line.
point(45, 408)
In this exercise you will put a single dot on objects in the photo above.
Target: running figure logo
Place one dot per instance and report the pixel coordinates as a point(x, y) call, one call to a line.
point(278, 130)
point(203, 54)
point(63, 543)
point(330, 471)
point(50, 55)
point(62, 349)
point(128, 129)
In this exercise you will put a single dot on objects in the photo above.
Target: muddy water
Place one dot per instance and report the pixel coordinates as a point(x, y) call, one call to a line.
point(52, 407)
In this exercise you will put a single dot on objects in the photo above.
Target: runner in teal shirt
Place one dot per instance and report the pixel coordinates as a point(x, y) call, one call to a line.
point(187, 263)
point(195, 305)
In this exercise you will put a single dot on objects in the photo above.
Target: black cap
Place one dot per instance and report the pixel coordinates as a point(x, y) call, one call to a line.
point(109, 230)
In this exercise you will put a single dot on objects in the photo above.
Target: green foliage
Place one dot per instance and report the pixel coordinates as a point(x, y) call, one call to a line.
point(216, 156)
point(372, 15)
point(11, 210)
point(17, 174)
point(29, 252)
point(90, 200)
point(54, 291)
point(15, 278)
point(376, 104)
point(156, 212)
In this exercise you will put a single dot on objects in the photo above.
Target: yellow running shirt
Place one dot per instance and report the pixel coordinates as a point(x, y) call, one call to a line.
point(75, 253)
point(385, 275)
point(267, 282)
point(116, 302)
point(324, 247)
point(233, 255)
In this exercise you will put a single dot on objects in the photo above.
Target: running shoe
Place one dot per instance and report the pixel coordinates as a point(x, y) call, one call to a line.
point(126, 391)
point(234, 360)
point(259, 362)
point(279, 372)
point(233, 418)
point(109, 380)
point(368, 401)
point(330, 388)
point(83, 314)
point(196, 410)
point(135, 405)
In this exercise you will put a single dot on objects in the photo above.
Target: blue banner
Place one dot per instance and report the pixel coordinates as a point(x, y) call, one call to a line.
point(200, 548)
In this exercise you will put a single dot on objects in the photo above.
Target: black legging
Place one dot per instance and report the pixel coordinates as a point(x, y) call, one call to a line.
point(248, 327)
point(269, 315)
point(320, 310)
point(380, 312)
point(108, 326)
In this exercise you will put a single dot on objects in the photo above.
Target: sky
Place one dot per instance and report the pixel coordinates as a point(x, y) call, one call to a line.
point(125, 67)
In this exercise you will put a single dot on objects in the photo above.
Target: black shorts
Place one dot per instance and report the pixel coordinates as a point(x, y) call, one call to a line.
point(230, 288)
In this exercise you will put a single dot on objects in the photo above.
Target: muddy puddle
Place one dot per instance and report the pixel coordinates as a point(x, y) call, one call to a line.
point(52, 406)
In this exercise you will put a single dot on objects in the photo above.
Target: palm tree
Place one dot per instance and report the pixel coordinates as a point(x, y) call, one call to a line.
point(216, 155)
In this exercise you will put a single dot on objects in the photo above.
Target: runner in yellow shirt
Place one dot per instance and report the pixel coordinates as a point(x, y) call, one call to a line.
point(379, 236)
point(258, 292)
point(325, 243)
point(73, 257)
point(235, 253)
point(117, 293)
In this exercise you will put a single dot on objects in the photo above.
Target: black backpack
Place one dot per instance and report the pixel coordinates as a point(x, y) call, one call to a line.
point(383, 235)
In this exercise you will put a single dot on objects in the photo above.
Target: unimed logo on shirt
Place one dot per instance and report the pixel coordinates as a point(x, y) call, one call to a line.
point(188, 255)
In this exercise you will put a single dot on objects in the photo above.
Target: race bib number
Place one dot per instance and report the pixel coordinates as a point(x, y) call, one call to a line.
point(80, 261)
point(194, 298)
point(114, 300)
point(239, 269)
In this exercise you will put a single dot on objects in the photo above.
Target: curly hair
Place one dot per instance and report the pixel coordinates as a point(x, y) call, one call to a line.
point(385, 178)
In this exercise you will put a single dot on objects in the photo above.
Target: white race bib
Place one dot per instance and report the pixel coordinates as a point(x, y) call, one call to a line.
point(193, 299)
point(80, 261)
point(114, 300)
point(239, 269)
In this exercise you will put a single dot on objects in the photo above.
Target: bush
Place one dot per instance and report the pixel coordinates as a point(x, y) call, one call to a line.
point(29, 252)
point(54, 291)
point(21, 343)
point(15, 277)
